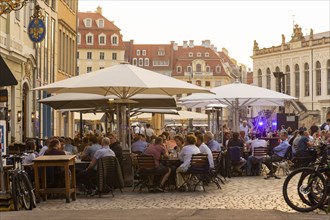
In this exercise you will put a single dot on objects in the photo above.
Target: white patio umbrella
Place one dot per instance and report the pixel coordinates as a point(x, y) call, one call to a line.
point(237, 95)
point(123, 81)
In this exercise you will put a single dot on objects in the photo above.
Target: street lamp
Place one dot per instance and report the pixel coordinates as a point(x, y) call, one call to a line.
point(6, 6)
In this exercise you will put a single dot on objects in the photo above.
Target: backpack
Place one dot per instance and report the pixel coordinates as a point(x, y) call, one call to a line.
point(322, 128)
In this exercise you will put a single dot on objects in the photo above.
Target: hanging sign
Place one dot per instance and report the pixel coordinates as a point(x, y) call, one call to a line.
point(37, 30)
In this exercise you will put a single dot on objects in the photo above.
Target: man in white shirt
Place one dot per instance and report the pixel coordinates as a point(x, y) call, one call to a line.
point(204, 149)
point(149, 133)
point(244, 127)
point(255, 159)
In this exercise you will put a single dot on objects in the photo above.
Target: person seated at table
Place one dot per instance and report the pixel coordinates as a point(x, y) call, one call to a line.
point(188, 150)
point(89, 176)
point(204, 149)
point(140, 145)
point(54, 147)
point(115, 147)
point(158, 151)
point(255, 159)
point(89, 151)
point(236, 141)
point(278, 155)
point(179, 143)
point(210, 142)
point(68, 147)
point(31, 151)
point(305, 149)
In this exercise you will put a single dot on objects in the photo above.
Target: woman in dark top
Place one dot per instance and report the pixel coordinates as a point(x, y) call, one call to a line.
point(54, 148)
point(235, 141)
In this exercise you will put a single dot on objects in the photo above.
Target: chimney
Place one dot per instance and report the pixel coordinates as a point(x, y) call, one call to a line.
point(207, 43)
point(203, 43)
point(175, 46)
point(215, 49)
point(185, 45)
point(99, 10)
point(212, 46)
point(191, 43)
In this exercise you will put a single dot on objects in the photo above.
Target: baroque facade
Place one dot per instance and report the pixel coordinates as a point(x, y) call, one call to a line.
point(100, 43)
point(299, 67)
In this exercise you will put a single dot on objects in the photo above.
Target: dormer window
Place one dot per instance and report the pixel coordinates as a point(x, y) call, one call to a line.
point(89, 39)
point(189, 69)
point(161, 52)
point(102, 39)
point(218, 69)
point(88, 22)
point(138, 52)
point(191, 54)
point(101, 23)
point(199, 54)
point(144, 52)
point(206, 54)
point(179, 69)
point(114, 40)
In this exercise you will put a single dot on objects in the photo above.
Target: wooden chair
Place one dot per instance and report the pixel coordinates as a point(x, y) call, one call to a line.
point(199, 171)
point(146, 171)
point(214, 172)
point(234, 154)
point(259, 152)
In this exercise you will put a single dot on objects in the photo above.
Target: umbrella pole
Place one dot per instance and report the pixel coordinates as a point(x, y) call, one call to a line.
point(236, 115)
point(81, 125)
point(118, 123)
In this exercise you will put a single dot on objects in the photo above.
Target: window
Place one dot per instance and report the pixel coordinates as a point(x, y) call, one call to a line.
point(278, 89)
point(77, 54)
point(259, 78)
point(189, 109)
point(179, 69)
point(206, 54)
point(146, 61)
point(114, 40)
point(134, 61)
point(199, 110)
point(207, 83)
point(189, 81)
point(101, 23)
point(114, 56)
point(189, 69)
point(88, 22)
point(101, 55)
point(89, 39)
point(208, 69)
point(218, 69)
point(144, 52)
point(101, 67)
point(102, 39)
point(268, 78)
point(160, 62)
point(141, 62)
point(328, 76)
point(199, 54)
point(161, 52)
point(318, 78)
point(287, 80)
point(296, 80)
point(198, 83)
point(306, 77)
point(78, 39)
point(89, 69)
point(198, 68)
point(190, 54)
point(89, 55)
point(138, 52)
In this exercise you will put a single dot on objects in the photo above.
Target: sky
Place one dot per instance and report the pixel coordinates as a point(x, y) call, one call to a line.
point(233, 25)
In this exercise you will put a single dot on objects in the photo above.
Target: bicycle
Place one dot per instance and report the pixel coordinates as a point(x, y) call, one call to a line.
point(20, 186)
point(309, 185)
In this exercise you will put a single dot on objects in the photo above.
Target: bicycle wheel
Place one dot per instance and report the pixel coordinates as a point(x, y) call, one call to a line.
point(14, 191)
point(325, 206)
point(30, 188)
point(26, 191)
point(303, 184)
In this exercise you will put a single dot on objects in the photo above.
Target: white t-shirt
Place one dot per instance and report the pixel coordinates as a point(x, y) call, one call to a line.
point(206, 150)
point(185, 155)
point(327, 127)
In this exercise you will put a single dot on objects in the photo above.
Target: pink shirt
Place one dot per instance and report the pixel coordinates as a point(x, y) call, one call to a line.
point(156, 151)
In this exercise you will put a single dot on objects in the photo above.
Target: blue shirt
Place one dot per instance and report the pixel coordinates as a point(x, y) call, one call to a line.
point(214, 145)
point(302, 149)
point(139, 146)
point(282, 148)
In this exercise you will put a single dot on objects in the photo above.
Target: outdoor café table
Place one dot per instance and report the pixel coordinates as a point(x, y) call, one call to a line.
point(65, 161)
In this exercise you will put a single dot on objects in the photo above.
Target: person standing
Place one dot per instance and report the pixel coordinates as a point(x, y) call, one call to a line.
point(149, 133)
point(314, 129)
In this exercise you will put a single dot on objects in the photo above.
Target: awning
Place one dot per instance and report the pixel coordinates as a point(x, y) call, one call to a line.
point(6, 76)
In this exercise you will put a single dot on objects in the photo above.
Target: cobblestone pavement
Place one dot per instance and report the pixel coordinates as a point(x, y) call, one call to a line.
point(237, 193)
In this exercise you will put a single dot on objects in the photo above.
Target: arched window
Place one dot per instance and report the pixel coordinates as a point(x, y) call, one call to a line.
point(287, 80)
point(114, 40)
point(189, 69)
point(134, 61)
point(306, 78)
point(318, 78)
point(297, 80)
point(259, 78)
point(277, 69)
point(141, 62)
point(198, 68)
point(198, 83)
point(89, 39)
point(328, 77)
point(268, 78)
point(146, 61)
point(179, 69)
point(208, 69)
point(218, 69)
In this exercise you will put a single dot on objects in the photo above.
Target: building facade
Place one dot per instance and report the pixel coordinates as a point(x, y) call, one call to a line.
point(100, 43)
point(299, 67)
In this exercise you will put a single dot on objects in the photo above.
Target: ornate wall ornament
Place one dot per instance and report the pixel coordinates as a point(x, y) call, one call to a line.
point(28, 68)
